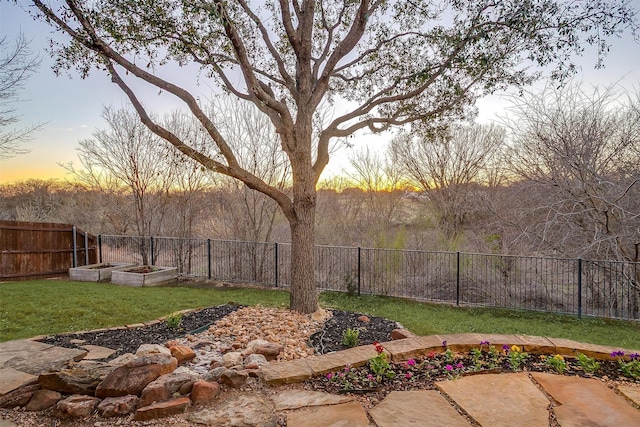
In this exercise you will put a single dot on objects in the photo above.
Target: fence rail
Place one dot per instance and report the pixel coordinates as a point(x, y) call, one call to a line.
point(607, 289)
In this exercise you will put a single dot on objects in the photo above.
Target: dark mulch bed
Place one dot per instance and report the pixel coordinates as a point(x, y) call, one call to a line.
point(128, 340)
point(330, 338)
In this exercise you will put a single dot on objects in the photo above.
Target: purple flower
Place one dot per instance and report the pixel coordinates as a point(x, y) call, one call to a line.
point(505, 347)
point(411, 362)
point(444, 344)
point(634, 356)
point(329, 375)
point(484, 343)
point(449, 368)
point(618, 353)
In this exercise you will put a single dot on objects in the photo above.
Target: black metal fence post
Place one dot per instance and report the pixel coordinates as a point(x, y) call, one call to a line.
point(74, 261)
point(457, 278)
point(579, 288)
point(86, 248)
point(152, 252)
point(209, 259)
point(359, 267)
point(275, 256)
point(100, 248)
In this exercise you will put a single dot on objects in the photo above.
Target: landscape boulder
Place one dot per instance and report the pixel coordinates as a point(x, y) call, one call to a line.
point(80, 378)
point(43, 399)
point(164, 387)
point(204, 391)
point(117, 406)
point(135, 375)
point(163, 409)
point(76, 406)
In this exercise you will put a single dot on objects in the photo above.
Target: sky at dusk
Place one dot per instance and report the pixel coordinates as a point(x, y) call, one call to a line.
point(70, 108)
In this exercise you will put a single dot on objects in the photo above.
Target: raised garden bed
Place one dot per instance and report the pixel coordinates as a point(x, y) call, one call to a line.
point(145, 275)
point(96, 272)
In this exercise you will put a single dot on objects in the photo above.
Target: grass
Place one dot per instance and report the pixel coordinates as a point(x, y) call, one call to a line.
point(43, 307)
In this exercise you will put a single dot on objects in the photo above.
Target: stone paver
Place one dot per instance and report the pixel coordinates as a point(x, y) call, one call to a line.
point(495, 400)
point(414, 347)
point(416, 408)
point(285, 372)
point(538, 345)
point(295, 399)
point(355, 357)
point(41, 361)
point(97, 352)
point(587, 402)
point(631, 392)
point(350, 414)
point(11, 379)
point(20, 348)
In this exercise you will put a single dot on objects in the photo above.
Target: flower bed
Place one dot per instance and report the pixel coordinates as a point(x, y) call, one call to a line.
point(381, 375)
point(96, 272)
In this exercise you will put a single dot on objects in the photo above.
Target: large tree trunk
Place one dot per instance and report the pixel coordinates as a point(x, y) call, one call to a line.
point(304, 298)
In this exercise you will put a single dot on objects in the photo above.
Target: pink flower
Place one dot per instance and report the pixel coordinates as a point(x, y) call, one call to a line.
point(449, 368)
point(329, 375)
point(459, 366)
point(431, 355)
point(370, 377)
point(411, 362)
point(408, 375)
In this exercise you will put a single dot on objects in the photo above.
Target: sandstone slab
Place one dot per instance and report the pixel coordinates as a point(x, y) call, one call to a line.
point(460, 342)
point(233, 378)
point(97, 352)
point(587, 402)
point(350, 414)
point(539, 345)
point(410, 348)
point(19, 396)
point(631, 392)
point(246, 410)
point(499, 399)
point(11, 379)
point(357, 356)
point(286, 372)
point(295, 399)
point(81, 378)
point(414, 408)
point(52, 358)
point(163, 409)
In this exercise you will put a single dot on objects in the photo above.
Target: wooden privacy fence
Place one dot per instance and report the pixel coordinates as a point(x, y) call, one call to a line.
point(34, 249)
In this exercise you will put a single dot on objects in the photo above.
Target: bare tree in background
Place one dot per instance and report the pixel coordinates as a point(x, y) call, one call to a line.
point(17, 64)
point(148, 186)
point(375, 210)
point(577, 156)
point(449, 166)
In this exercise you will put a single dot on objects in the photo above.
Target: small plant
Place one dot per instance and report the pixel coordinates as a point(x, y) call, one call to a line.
point(476, 357)
point(350, 337)
point(516, 356)
point(557, 363)
point(630, 369)
point(379, 364)
point(174, 320)
point(588, 364)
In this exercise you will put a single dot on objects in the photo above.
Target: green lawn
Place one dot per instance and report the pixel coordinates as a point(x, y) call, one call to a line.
point(43, 307)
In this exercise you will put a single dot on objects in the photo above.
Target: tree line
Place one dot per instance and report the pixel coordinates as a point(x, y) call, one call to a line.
point(558, 177)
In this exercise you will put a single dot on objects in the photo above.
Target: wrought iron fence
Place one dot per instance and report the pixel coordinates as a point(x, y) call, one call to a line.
point(607, 289)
